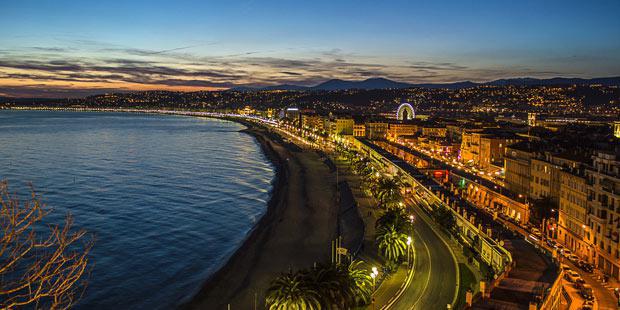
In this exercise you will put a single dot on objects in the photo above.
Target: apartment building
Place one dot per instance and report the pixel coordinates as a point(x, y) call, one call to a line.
point(517, 166)
point(485, 148)
point(573, 232)
point(376, 130)
point(340, 126)
point(603, 180)
point(396, 130)
point(545, 173)
point(315, 122)
point(359, 130)
point(434, 131)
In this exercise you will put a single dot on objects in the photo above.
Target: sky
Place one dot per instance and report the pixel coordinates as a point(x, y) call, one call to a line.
point(60, 48)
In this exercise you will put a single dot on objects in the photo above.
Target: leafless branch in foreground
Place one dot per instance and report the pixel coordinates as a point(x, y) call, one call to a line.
point(40, 267)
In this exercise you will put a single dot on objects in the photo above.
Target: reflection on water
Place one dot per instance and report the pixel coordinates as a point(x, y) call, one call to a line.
point(168, 198)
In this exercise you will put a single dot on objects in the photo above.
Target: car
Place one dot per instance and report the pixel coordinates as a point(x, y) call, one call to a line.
point(580, 281)
point(566, 253)
point(573, 258)
point(565, 267)
point(586, 292)
point(587, 267)
point(551, 243)
point(578, 286)
point(571, 276)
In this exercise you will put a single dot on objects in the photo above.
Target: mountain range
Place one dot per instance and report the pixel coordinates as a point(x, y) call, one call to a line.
point(383, 83)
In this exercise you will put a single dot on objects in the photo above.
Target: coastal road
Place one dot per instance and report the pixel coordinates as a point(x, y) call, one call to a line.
point(434, 283)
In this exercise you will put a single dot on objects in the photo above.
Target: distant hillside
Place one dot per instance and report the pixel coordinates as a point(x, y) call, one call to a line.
point(383, 83)
point(373, 83)
point(555, 81)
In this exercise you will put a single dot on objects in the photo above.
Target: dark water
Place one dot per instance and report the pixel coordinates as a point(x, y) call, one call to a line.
point(168, 197)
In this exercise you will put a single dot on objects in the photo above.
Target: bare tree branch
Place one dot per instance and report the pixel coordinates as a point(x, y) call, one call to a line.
point(44, 269)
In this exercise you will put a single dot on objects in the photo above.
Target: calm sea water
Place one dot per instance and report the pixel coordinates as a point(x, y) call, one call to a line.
point(169, 198)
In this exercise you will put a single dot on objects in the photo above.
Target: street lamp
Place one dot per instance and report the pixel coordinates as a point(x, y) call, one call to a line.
point(408, 248)
point(373, 275)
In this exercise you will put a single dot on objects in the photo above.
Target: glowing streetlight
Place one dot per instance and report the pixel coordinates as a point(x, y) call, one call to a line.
point(373, 276)
point(408, 248)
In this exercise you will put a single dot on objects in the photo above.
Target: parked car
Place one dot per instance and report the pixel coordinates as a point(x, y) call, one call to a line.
point(551, 243)
point(586, 292)
point(580, 281)
point(564, 267)
point(566, 253)
point(571, 276)
point(578, 286)
point(589, 268)
point(573, 258)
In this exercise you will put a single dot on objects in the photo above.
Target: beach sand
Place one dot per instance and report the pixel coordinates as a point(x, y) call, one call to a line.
point(295, 232)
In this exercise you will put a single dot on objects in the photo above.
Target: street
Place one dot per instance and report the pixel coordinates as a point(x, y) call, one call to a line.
point(434, 283)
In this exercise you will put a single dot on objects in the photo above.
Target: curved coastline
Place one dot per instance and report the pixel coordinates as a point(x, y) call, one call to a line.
point(273, 208)
point(294, 231)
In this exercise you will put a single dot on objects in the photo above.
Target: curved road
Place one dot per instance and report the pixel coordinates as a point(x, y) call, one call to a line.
point(434, 283)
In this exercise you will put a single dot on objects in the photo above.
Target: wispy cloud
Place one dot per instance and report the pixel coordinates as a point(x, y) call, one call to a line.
point(89, 64)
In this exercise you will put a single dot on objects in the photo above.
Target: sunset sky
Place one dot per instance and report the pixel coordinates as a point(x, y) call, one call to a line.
point(73, 48)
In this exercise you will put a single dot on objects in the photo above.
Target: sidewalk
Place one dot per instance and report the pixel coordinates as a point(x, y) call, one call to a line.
point(385, 288)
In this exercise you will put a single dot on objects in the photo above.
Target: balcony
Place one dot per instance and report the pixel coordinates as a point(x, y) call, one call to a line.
point(595, 217)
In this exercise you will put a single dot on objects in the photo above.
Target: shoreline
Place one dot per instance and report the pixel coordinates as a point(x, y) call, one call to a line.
point(277, 190)
point(294, 231)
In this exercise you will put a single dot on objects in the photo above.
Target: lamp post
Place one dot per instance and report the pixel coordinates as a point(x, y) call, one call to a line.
point(373, 275)
point(408, 249)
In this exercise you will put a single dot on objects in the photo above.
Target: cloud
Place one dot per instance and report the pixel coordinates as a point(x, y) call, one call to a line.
point(84, 63)
point(436, 66)
point(50, 49)
point(291, 73)
point(46, 91)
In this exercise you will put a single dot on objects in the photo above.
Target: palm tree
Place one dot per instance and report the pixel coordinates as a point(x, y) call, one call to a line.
point(331, 283)
point(393, 217)
point(360, 283)
point(388, 191)
point(392, 243)
point(292, 291)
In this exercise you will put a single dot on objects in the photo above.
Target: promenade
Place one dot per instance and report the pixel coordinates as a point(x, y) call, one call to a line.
point(295, 233)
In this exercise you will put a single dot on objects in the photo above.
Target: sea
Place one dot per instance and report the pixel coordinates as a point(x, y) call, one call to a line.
point(167, 198)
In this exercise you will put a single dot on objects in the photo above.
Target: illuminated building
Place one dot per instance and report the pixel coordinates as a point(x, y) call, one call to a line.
point(517, 167)
point(359, 130)
point(603, 180)
point(315, 122)
point(340, 126)
point(572, 230)
point(532, 119)
point(483, 149)
point(376, 130)
point(396, 130)
point(434, 131)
